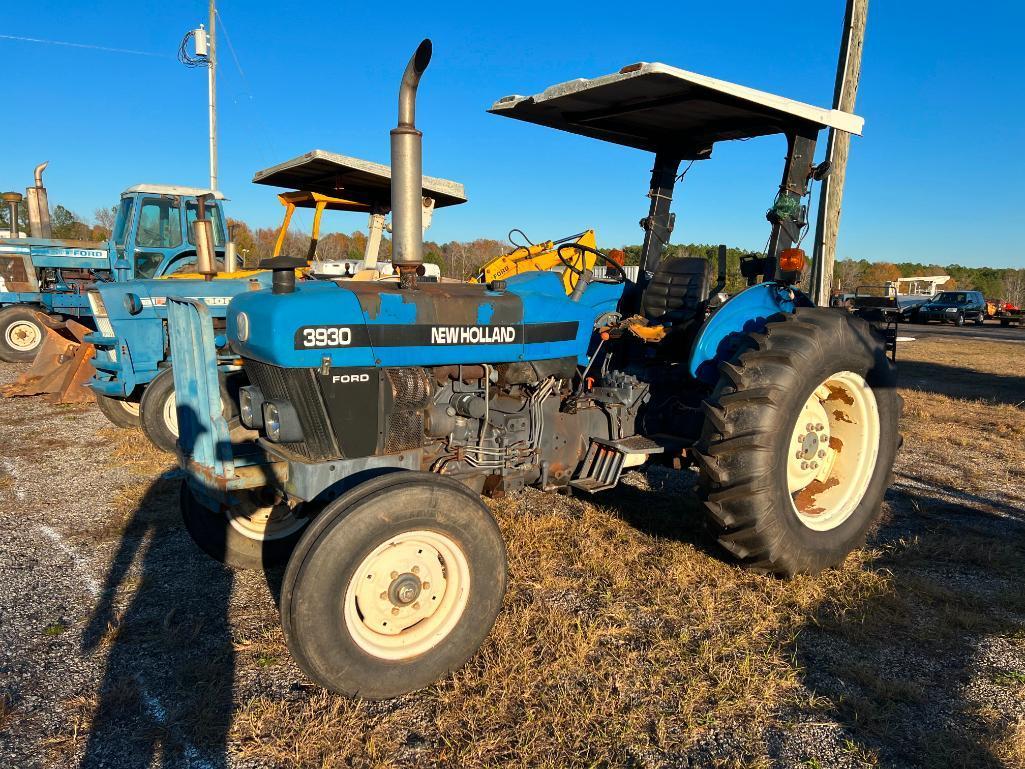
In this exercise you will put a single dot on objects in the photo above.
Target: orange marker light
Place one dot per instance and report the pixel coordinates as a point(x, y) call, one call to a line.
point(792, 260)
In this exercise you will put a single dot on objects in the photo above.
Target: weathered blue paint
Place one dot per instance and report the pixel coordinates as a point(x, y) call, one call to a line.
point(745, 312)
point(132, 349)
point(117, 260)
point(274, 320)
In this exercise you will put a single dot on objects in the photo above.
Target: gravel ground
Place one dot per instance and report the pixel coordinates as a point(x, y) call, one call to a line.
point(93, 591)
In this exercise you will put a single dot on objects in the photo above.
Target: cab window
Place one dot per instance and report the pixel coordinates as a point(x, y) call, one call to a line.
point(160, 224)
point(213, 213)
point(124, 216)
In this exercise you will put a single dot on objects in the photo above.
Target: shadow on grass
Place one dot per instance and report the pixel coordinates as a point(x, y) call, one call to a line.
point(162, 621)
point(959, 382)
point(893, 670)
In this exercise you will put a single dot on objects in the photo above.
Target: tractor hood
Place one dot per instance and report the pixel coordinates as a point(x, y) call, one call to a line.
point(378, 324)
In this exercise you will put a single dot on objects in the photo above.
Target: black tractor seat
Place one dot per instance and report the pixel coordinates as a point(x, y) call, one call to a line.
point(677, 293)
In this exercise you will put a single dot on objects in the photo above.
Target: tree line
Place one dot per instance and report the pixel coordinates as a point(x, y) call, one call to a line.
point(462, 259)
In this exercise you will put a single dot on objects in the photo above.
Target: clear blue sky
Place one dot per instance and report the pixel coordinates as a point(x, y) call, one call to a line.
point(937, 177)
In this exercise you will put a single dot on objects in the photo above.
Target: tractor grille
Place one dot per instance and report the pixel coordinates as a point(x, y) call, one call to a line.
point(411, 393)
point(299, 387)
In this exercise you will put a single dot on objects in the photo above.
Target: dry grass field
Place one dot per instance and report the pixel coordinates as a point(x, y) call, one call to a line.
point(626, 639)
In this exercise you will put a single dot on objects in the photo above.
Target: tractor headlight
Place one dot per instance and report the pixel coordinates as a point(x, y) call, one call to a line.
point(242, 326)
point(250, 407)
point(133, 303)
point(280, 422)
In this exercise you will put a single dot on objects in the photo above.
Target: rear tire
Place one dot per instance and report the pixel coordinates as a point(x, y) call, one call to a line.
point(251, 536)
point(769, 507)
point(21, 334)
point(414, 550)
point(122, 412)
point(158, 415)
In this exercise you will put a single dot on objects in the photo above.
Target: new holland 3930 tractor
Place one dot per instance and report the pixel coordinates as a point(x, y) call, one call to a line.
point(380, 412)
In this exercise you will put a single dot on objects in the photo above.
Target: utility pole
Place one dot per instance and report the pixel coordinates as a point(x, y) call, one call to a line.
point(848, 75)
point(212, 78)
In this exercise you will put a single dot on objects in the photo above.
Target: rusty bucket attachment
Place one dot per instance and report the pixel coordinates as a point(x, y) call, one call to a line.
point(62, 366)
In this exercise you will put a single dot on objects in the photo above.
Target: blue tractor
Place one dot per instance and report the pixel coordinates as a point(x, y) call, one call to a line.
point(133, 381)
point(45, 311)
point(378, 414)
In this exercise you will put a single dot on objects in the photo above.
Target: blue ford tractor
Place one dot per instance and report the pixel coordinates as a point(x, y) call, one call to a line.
point(44, 281)
point(133, 381)
point(378, 414)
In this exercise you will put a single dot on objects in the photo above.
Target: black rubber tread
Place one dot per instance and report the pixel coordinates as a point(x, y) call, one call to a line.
point(216, 537)
point(337, 541)
point(114, 411)
point(151, 408)
point(743, 450)
point(8, 315)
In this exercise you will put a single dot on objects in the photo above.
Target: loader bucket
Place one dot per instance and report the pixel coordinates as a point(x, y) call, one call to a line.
point(62, 366)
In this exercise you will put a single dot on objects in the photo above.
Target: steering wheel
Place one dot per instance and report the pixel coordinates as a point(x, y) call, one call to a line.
point(619, 273)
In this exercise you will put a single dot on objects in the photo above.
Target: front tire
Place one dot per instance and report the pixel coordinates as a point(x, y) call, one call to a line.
point(21, 334)
point(799, 441)
point(158, 410)
point(395, 584)
point(122, 412)
point(254, 534)
point(959, 320)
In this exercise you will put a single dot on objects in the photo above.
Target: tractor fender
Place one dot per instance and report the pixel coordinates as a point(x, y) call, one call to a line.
point(743, 313)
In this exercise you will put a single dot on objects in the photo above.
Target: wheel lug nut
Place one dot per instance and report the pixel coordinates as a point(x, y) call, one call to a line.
point(804, 465)
point(818, 427)
point(394, 575)
point(384, 595)
point(798, 455)
point(809, 427)
point(822, 455)
point(800, 438)
point(415, 569)
point(395, 610)
point(426, 586)
point(416, 605)
point(814, 465)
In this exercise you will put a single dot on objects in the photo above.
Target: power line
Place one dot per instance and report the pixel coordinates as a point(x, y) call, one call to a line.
point(22, 39)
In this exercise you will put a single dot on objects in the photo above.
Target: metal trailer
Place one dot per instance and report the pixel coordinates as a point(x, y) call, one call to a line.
point(378, 413)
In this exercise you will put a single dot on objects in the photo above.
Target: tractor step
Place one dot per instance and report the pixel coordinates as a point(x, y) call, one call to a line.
point(605, 461)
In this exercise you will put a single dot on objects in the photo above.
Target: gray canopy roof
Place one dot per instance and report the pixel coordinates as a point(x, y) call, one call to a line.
point(351, 178)
point(657, 107)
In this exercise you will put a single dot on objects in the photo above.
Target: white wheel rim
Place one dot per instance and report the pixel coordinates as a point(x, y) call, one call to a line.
point(407, 595)
point(263, 523)
point(23, 335)
point(171, 414)
point(130, 407)
point(833, 450)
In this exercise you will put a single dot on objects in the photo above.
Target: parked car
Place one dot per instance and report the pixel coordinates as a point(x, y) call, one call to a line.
point(953, 306)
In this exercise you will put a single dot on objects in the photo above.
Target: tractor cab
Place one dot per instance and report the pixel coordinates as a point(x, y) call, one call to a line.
point(326, 181)
point(153, 231)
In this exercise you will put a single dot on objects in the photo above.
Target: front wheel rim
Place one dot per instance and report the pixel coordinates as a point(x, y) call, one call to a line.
point(833, 450)
point(407, 595)
point(170, 412)
point(23, 335)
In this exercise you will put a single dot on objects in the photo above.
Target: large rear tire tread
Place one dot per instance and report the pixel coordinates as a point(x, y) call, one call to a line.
point(328, 553)
point(743, 449)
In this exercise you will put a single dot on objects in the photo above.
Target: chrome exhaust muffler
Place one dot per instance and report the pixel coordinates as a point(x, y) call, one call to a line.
point(407, 174)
